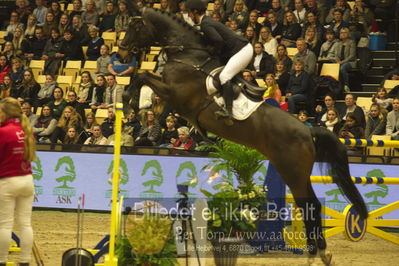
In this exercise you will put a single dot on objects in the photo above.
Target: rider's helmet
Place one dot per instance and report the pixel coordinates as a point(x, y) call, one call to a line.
point(196, 5)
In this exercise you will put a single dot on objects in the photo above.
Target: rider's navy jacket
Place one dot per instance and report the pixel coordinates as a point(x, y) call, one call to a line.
point(224, 39)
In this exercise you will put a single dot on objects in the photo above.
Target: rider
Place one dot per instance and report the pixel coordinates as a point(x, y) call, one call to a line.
point(233, 48)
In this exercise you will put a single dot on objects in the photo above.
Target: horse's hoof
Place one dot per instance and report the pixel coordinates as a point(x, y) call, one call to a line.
point(326, 257)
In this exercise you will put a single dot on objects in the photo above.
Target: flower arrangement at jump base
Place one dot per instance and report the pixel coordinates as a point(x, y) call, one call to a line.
point(233, 211)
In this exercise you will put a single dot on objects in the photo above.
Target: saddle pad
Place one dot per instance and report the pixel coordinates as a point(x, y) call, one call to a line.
point(242, 106)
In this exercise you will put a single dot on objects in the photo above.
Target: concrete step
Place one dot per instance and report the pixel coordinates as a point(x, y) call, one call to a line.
point(392, 45)
point(363, 93)
point(378, 70)
point(383, 54)
point(373, 79)
point(385, 62)
point(371, 87)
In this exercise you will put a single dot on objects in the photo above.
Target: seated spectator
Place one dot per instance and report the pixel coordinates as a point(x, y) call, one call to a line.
point(52, 53)
point(164, 5)
point(273, 93)
point(327, 49)
point(28, 89)
point(27, 110)
point(103, 61)
point(183, 13)
point(93, 49)
point(9, 51)
point(122, 18)
point(40, 12)
point(312, 6)
point(218, 7)
point(45, 125)
point(36, 46)
point(253, 22)
point(133, 124)
point(282, 76)
point(122, 63)
point(391, 75)
point(4, 67)
point(80, 30)
point(77, 8)
point(49, 25)
point(303, 116)
point(321, 111)
point(30, 27)
point(250, 35)
point(69, 118)
point(71, 49)
point(185, 142)
point(161, 109)
point(13, 24)
point(23, 10)
point(169, 135)
point(305, 55)
point(275, 27)
point(113, 92)
point(361, 18)
point(277, 9)
point(269, 43)
point(376, 122)
point(337, 24)
point(71, 137)
point(233, 25)
point(85, 90)
point(392, 128)
point(380, 97)
point(352, 130)
point(297, 87)
point(58, 104)
point(17, 72)
point(312, 41)
point(107, 18)
point(150, 132)
point(262, 63)
point(345, 55)
point(90, 121)
point(300, 12)
point(97, 98)
point(313, 22)
point(282, 55)
point(248, 77)
point(19, 42)
point(345, 10)
point(5, 87)
point(351, 107)
point(90, 15)
point(97, 137)
point(107, 127)
point(240, 14)
point(385, 10)
point(64, 24)
point(45, 94)
point(126, 139)
point(55, 9)
point(332, 122)
point(291, 30)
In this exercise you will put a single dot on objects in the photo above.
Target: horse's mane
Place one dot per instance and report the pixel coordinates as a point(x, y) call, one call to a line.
point(179, 22)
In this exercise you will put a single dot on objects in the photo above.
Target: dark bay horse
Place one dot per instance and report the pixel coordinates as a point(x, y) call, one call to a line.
point(288, 144)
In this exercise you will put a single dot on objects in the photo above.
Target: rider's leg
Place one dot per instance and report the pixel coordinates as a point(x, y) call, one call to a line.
point(236, 63)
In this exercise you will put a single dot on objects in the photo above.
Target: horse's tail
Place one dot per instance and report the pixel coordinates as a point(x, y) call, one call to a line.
point(330, 149)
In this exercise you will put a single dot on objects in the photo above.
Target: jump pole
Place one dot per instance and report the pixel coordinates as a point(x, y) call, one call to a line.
point(111, 259)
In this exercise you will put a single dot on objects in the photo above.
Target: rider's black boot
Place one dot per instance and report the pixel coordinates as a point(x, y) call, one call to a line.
point(228, 95)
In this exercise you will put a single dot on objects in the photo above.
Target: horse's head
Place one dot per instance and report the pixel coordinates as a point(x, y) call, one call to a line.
point(138, 35)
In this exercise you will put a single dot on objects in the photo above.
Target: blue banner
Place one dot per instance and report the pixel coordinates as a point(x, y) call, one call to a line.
point(60, 178)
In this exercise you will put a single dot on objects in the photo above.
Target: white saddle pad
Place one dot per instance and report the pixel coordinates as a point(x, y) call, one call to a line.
point(242, 106)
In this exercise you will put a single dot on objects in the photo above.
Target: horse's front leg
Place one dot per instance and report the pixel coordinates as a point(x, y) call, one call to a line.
point(155, 83)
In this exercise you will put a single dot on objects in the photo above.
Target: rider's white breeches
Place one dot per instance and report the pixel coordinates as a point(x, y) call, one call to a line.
point(236, 63)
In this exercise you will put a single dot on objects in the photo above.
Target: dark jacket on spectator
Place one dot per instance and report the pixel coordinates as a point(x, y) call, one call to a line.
point(375, 126)
point(298, 84)
point(278, 30)
point(72, 49)
point(292, 32)
point(266, 65)
point(107, 127)
point(36, 47)
point(358, 112)
point(107, 22)
point(93, 48)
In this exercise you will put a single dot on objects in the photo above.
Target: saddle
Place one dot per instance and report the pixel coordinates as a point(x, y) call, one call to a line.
point(240, 85)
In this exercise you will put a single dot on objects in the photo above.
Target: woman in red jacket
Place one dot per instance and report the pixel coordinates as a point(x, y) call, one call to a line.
point(17, 150)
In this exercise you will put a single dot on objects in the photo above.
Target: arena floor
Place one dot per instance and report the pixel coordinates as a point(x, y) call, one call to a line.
point(55, 232)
